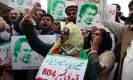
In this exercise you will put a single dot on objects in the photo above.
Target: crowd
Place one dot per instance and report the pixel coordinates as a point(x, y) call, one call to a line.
point(94, 45)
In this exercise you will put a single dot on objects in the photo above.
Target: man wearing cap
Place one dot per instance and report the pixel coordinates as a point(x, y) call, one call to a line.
point(71, 12)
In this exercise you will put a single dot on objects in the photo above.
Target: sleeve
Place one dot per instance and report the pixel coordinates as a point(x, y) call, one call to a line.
point(107, 60)
point(91, 70)
point(114, 27)
point(35, 43)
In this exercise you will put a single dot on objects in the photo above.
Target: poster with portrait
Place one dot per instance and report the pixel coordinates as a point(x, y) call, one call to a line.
point(5, 54)
point(59, 67)
point(57, 8)
point(88, 15)
point(22, 4)
point(23, 57)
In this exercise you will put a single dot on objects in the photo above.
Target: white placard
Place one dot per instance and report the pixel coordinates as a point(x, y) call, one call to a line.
point(22, 4)
point(56, 67)
point(23, 57)
point(5, 54)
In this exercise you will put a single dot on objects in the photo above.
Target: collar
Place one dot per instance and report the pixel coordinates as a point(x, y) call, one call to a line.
point(131, 28)
point(47, 33)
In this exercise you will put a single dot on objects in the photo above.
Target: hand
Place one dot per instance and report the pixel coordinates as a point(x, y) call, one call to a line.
point(26, 11)
point(56, 26)
point(26, 20)
point(37, 5)
point(85, 33)
point(33, 10)
point(95, 44)
point(1, 19)
point(65, 20)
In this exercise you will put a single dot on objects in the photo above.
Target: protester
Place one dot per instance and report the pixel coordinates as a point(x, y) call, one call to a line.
point(37, 17)
point(46, 24)
point(13, 17)
point(5, 34)
point(71, 12)
point(100, 48)
point(119, 15)
point(124, 33)
point(71, 36)
point(5, 15)
point(97, 43)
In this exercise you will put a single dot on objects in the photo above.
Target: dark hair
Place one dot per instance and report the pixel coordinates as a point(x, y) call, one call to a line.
point(48, 15)
point(117, 6)
point(6, 11)
point(44, 12)
point(130, 4)
point(56, 2)
point(71, 8)
point(87, 40)
point(84, 8)
point(106, 43)
point(18, 45)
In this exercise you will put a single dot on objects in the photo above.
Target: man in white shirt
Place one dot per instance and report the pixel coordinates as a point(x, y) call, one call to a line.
point(125, 34)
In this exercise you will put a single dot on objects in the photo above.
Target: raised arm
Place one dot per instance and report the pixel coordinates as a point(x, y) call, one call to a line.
point(35, 43)
point(114, 27)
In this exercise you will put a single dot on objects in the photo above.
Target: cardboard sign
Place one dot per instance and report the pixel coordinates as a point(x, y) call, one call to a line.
point(57, 8)
point(22, 4)
point(88, 15)
point(111, 10)
point(56, 67)
point(5, 54)
point(23, 57)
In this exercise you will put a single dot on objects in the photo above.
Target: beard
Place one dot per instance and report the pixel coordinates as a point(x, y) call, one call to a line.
point(131, 15)
point(130, 18)
point(72, 19)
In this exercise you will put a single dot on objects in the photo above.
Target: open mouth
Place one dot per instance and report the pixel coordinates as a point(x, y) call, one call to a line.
point(45, 26)
point(13, 18)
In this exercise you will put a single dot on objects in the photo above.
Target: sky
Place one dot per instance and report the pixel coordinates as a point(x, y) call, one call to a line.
point(122, 3)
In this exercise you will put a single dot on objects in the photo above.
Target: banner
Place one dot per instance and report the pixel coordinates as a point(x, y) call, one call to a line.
point(5, 54)
point(57, 67)
point(57, 8)
point(23, 57)
point(22, 4)
point(90, 14)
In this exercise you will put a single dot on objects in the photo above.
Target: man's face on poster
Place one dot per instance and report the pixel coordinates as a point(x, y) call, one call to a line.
point(25, 54)
point(88, 16)
point(59, 9)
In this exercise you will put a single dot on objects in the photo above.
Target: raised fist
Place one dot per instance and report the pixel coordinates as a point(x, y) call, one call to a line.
point(37, 5)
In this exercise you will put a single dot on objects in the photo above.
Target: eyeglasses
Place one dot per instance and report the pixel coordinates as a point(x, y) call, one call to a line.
point(65, 31)
point(3, 29)
point(38, 14)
